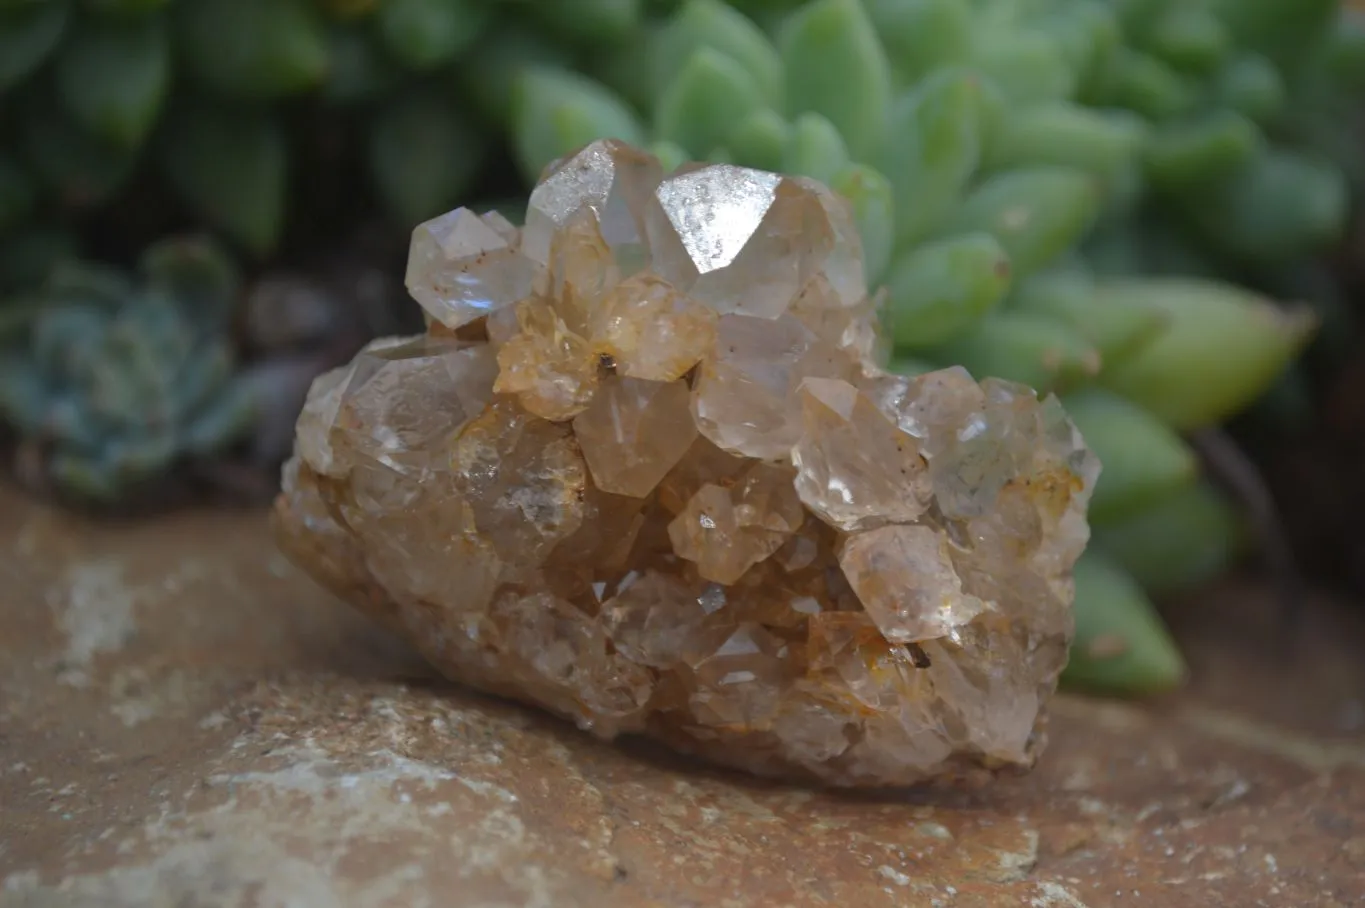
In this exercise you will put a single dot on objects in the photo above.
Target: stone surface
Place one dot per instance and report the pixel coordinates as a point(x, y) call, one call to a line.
point(186, 720)
point(668, 491)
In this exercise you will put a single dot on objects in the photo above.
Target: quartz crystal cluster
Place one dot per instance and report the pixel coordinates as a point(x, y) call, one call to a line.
point(644, 471)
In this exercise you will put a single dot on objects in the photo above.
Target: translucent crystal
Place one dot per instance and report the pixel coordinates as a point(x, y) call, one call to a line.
point(726, 531)
point(855, 468)
point(552, 370)
point(633, 434)
point(652, 331)
point(905, 578)
point(462, 267)
point(614, 181)
point(739, 684)
point(746, 241)
point(644, 469)
point(402, 400)
point(745, 397)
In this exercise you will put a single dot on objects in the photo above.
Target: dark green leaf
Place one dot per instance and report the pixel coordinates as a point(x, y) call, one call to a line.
point(230, 167)
point(28, 35)
point(425, 34)
point(1178, 543)
point(1223, 348)
point(594, 23)
point(1121, 645)
point(1036, 213)
point(705, 102)
point(552, 111)
point(257, 49)
point(933, 145)
point(713, 24)
point(113, 76)
point(940, 290)
point(1143, 459)
point(423, 156)
point(836, 67)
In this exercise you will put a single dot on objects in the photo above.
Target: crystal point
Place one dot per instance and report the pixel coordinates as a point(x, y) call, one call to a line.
point(462, 267)
point(644, 470)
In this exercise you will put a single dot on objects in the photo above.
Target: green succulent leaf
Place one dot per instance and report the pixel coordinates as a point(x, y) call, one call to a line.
point(814, 148)
point(908, 365)
point(1037, 213)
point(1223, 348)
point(28, 36)
point(424, 156)
point(835, 66)
point(1186, 155)
point(1251, 85)
point(1035, 350)
point(670, 156)
point(707, 99)
point(1186, 539)
point(1029, 66)
point(426, 34)
point(722, 28)
point(1282, 28)
point(488, 74)
point(554, 109)
point(870, 195)
point(230, 167)
point(922, 35)
point(1278, 207)
point(229, 417)
point(1106, 144)
point(1117, 327)
point(1345, 51)
point(1143, 459)
point(359, 71)
point(761, 140)
point(1147, 86)
point(1189, 37)
point(1087, 33)
point(932, 149)
point(253, 49)
point(593, 23)
point(1121, 644)
point(939, 291)
point(113, 76)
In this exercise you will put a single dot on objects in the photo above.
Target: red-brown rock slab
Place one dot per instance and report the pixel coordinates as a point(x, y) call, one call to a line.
point(185, 720)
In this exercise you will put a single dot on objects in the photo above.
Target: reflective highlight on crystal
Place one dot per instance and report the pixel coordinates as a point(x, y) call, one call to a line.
point(672, 493)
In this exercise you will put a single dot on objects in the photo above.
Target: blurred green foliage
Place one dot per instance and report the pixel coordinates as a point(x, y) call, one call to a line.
point(1096, 197)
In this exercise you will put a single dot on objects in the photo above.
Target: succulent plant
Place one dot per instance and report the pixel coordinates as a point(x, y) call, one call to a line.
point(110, 382)
point(1100, 198)
point(205, 96)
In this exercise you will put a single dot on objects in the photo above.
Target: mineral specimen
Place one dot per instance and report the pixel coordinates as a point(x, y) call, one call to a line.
point(644, 471)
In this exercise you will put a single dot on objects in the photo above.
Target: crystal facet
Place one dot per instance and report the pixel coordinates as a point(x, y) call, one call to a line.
point(672, 492)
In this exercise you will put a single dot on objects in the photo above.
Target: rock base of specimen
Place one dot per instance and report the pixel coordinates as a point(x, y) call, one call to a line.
point(644, 471)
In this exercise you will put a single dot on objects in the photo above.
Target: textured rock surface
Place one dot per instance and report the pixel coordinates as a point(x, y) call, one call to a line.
point(185, 720)
point(645, 471)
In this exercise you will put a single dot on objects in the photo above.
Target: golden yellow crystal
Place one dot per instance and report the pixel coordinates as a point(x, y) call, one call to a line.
point(674, 494)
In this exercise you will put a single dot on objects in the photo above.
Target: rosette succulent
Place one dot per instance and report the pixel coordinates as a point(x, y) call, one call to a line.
point(111, 382)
